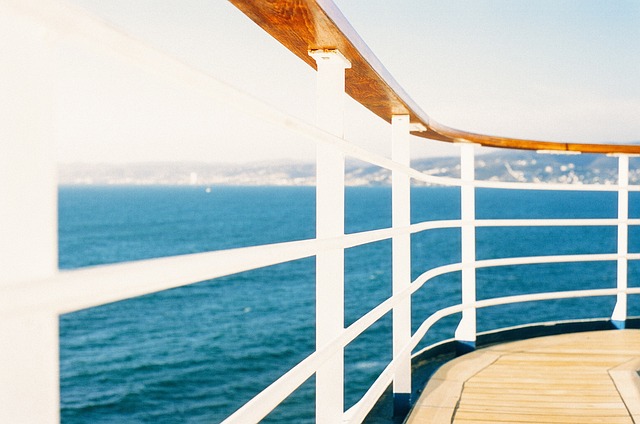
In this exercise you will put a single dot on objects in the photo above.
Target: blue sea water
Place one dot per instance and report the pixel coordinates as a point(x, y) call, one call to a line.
point(197, 353)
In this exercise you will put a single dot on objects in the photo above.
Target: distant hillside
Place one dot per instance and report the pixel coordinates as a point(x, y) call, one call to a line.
point(497, 166)
point(527, 166)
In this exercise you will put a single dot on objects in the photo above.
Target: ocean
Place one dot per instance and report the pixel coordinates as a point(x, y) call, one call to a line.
point(195, 354)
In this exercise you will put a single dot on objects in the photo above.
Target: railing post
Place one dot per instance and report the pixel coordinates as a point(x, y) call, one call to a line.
point(401, 262)
point(466, 332)
point(28, 216)
point(330, 223)
point(619, 316)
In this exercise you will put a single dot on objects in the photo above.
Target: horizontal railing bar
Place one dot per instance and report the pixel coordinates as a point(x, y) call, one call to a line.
point(535, 297)
point(83, 288)
point(80, 289)
point(549, 186)
point(423, 278)
point(444, 312)
point(537, 260)
point(434, 225)
point(527, 260)
point(523, 298)
point(73, 290)
point(563, 222)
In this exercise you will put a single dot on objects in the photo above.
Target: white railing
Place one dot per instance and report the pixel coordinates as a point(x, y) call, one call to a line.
point(33, 293)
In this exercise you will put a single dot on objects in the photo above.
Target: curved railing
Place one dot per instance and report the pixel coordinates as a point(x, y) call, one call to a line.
point(317, 33)
point(319, 24)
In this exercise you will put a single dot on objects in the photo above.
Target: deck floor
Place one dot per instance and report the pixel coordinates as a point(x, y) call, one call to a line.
point(571, 378)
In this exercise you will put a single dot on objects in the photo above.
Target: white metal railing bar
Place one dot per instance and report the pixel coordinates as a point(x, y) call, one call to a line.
point(73, 290)
point(267, 400)
point(79, 289)
point(466, 330)
point(535, 297)
point(571, 294)
point(401, 262)
point(28, 220)
point(330, 213)
point(619, 315)
point(562, 222)
point(550, 186)
point(498, 301)
point(535, 260)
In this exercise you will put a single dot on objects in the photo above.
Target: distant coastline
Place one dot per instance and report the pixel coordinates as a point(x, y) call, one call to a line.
point(520, 166)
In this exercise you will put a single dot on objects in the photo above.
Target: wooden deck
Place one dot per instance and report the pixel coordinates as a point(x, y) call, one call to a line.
point(571, 378)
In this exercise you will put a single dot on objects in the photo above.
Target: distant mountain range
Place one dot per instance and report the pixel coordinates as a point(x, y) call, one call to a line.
point(524, 166)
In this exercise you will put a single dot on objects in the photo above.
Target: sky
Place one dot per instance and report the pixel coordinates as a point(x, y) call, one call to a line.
point(554, 70)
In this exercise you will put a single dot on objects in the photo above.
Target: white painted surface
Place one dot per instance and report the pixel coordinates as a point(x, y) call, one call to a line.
point(28, 216)
point(401, 245)
point(466, 330)
point(620, 310)
point(330, 223)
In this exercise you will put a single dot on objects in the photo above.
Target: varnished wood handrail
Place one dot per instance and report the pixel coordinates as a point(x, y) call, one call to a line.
point(303, 25)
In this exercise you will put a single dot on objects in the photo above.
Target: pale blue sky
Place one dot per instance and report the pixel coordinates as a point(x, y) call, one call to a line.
point(550, 69)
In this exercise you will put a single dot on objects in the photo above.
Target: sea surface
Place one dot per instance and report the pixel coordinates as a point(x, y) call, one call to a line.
point(195, 354)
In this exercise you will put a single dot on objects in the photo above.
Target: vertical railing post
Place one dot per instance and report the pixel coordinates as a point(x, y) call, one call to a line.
point(401, 261)
point(330, 223)
point(619, 316)
point(466, 332)
point(29, 392)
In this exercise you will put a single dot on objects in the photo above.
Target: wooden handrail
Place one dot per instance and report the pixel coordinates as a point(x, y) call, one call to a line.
point(304, 25)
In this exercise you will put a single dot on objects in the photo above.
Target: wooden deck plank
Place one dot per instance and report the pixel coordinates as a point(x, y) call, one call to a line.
point(530, 418)
point(563, 409)
point(568, 385)
point(550, 391)
point(470, 396)
point(574, 378)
